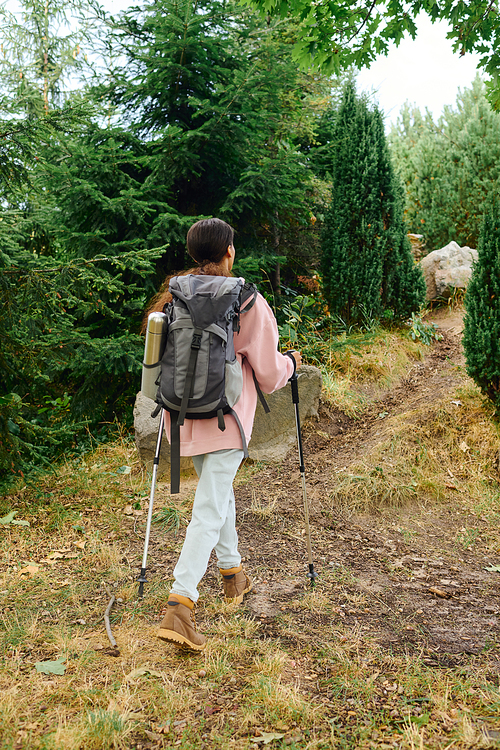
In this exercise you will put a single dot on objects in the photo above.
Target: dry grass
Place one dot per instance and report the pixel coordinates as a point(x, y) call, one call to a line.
point(426, 455)
point(355, 374)
point(336, 689)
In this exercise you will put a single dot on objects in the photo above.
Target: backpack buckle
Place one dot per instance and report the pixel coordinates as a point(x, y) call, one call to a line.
point(196, 341)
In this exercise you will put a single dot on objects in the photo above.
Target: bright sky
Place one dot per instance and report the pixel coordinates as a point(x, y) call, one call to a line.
point(425, 72)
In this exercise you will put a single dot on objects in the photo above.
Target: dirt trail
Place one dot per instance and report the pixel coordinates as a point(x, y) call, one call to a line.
point(397, 576)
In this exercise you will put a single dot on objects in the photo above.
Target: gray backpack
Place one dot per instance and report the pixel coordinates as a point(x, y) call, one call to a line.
point(200, 376)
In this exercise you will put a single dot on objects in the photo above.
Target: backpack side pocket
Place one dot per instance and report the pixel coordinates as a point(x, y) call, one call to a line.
point(234, 382)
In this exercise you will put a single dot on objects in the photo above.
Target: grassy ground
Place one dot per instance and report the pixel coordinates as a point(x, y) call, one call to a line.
point(347, 665)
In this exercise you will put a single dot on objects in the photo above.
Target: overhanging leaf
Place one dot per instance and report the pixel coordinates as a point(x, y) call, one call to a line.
point(51, 667)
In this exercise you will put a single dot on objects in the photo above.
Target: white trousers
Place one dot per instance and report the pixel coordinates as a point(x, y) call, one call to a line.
point(212, 524)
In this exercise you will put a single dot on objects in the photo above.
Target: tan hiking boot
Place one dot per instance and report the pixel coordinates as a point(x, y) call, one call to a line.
point(236, 584)
point(179, 625)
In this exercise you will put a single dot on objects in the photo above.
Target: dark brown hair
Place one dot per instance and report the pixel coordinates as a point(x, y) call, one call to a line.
point(207, 243)
point(208, 240)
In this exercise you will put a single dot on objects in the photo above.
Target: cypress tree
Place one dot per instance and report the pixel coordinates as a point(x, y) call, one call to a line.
point(482, 304)
point(403, 286)
point(351, 238)
point(366, 256)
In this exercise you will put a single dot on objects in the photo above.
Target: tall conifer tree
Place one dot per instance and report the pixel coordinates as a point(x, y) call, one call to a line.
point(366, 257)
point(482, 303)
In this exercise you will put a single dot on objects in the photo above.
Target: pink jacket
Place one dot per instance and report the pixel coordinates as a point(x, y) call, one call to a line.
point(256, 347)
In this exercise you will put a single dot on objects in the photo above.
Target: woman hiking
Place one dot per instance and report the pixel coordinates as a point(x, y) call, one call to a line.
point(217, 454)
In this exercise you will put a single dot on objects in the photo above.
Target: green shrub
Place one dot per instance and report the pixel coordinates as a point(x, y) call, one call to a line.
point(482, 304)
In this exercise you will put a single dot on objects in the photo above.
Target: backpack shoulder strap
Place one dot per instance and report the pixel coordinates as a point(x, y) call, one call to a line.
point(249, 292)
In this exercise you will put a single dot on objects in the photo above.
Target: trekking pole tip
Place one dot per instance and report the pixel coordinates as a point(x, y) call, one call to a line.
point(312, 575)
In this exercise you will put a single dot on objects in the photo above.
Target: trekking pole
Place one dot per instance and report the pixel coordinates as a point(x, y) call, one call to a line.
point(312, 575)
point(142, 577)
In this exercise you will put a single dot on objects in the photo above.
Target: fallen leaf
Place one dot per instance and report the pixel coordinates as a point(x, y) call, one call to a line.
point(124, 470)
point(29, 569)
point(140, 672)
point(267, 737)
point(60, 555)
point(464, 447)
point(80, 544)
point(153, 735)
point(451, 487)
point(457, 403)
point(210, 709)
point(128, 510)
point(10, 519)
point(439, 592)
point(290, 739)
point(51, 667)
point(493, 568)
point(53, 557)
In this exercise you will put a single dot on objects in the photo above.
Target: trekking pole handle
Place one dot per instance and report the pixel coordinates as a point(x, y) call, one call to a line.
point(293, 379)
point(294, 383)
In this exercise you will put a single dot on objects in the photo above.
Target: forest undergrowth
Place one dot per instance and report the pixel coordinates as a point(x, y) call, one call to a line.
point(395, 647)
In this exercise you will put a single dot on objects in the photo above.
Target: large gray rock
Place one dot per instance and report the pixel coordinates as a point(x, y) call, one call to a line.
point(273, 434)
point(447, 269)
point(146, 435)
